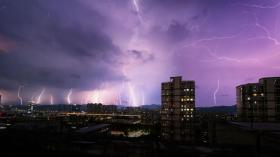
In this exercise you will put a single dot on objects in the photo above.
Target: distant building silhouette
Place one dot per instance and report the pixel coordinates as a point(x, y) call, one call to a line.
point(99, 108)
point(259, 101)
point(31, 107)
point(177, 109)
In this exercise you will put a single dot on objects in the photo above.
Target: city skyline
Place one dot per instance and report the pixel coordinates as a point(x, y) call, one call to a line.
point(119, 51)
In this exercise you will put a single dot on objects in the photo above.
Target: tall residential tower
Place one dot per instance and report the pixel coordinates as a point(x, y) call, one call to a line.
point(259, 101)
point(177, 109)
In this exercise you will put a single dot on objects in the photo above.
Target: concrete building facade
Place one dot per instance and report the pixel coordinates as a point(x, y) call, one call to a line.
point(177, 109)
point(259, 101)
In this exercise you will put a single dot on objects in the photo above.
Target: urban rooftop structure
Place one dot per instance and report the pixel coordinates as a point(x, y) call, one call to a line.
point(259, 101)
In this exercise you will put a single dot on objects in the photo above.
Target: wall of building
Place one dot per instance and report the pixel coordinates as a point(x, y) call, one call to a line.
point(259, 101)
point(178, 109)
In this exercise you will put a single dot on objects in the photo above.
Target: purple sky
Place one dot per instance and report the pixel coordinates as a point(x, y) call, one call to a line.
point(119, 51)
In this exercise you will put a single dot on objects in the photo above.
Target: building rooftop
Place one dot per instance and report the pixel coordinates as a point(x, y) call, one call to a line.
point(259, 81)
point(269, 78)
point(247, 84)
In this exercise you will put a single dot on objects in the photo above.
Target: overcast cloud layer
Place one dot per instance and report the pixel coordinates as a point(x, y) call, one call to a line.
point(119, 51)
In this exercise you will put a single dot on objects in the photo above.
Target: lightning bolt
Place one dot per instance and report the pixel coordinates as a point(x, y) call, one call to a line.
point(215, 92)
point(51, 99)
point(32, 98)
point(96, 97)
point(69, 96)
point(262, 6)
point(1, 97)
point(193, 44)
point(213, 53)
point(132, 95)
point(137, 9)
point(134, 42)
point(40, 96)
point(19, 97)
point(135, 3)
point(266, 31)
point(225, 58)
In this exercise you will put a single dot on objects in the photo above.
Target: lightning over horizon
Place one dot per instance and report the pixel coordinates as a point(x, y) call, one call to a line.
point(268, 35)
point(51, 100)
point(137, 9)
point(40, 96)
point(109, 51)
point(2, 97)
point(69, 97)
point(259, 6)
point(140, 77)
point(215, 93)
point(132, 97)
point(18, 94)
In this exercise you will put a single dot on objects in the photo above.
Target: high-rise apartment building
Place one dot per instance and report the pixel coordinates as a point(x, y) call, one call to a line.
point(177, 109)
point(259, 101)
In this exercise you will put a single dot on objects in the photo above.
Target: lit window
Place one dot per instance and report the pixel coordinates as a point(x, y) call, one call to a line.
point(188, 109)
point(248, 98)
point(254, 94)
point(262, 94)
point(191, 109)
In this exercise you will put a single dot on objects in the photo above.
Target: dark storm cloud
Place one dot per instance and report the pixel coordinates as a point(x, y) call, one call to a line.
point(177, 31)
point(58, 44)
point(177, 5)
point(143, 56)
point(177, 20)
point(168, 3)
point(85, 43)
point(80, 44)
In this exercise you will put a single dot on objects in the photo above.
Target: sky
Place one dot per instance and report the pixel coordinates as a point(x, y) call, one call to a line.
point(119, 51)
